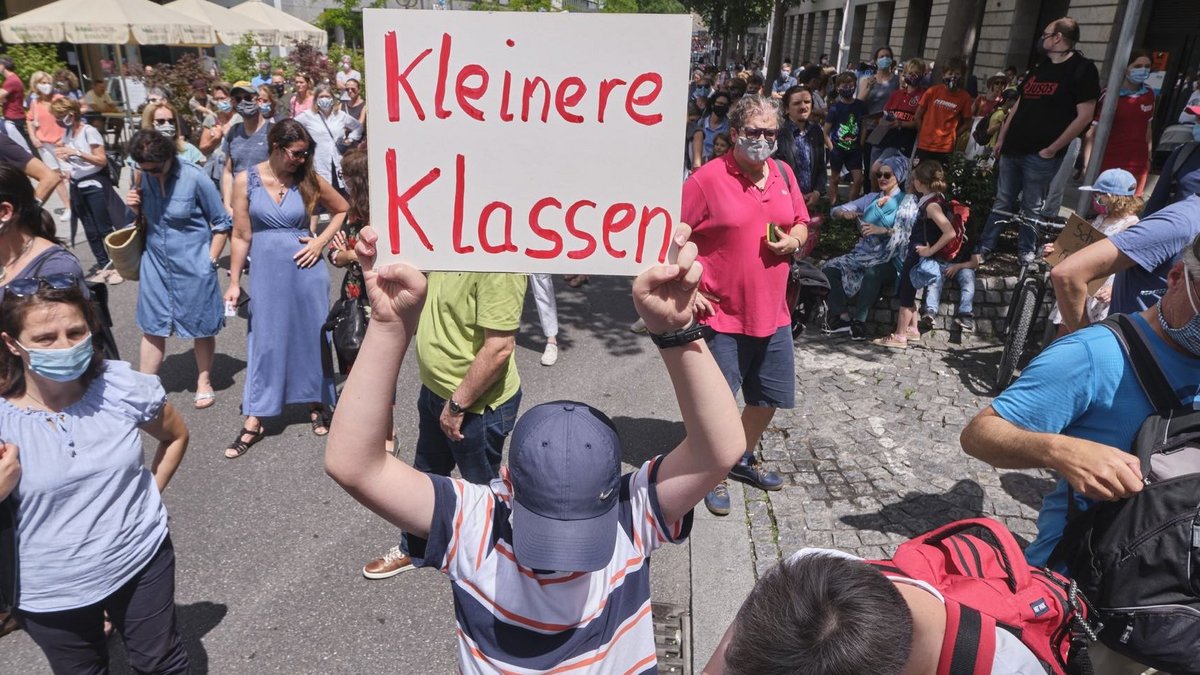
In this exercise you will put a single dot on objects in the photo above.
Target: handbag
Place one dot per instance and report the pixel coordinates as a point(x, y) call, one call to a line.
point(347, 321)
point(125, 246)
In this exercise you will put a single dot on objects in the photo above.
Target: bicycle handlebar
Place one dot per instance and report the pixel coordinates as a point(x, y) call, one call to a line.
point(1030, 222)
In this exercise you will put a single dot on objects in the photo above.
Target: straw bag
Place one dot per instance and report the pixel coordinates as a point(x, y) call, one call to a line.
point(125, 248)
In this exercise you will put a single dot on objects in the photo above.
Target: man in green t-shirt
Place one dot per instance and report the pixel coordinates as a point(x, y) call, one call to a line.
point(470, 389)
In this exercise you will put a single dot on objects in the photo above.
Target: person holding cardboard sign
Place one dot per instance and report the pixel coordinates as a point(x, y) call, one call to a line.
point(559, 546)
point(748, 217)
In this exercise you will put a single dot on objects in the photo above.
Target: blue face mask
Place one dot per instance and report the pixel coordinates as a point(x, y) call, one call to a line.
point(224, 105)
point(61, 365)
point(884, 62)
point(264, 109)
point(1139, 75)
point(1187, 335)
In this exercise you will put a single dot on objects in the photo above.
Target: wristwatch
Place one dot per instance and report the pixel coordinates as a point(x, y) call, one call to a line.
point(456, 409)
point(679, 338)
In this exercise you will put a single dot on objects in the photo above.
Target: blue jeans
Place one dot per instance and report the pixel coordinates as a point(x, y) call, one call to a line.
point(477, 455)
point(1027, 177)
point(965, 277)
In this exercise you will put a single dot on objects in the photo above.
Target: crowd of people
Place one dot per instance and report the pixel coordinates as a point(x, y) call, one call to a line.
point(560, 575)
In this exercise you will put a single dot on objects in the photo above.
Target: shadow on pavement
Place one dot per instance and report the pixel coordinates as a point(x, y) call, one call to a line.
point(195, 621)
point(602, 307)
point(920, 512)
point(976, 367)
point(643, 438)
point(178, 371)
point(1029, 490)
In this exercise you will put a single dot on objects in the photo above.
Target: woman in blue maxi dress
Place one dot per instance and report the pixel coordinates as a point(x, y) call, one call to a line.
point(289, 289)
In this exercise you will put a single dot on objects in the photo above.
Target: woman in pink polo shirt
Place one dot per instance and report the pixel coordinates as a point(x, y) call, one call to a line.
point(748, 217)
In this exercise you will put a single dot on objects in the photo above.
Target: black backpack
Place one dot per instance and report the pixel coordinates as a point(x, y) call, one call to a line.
point(1138, 559)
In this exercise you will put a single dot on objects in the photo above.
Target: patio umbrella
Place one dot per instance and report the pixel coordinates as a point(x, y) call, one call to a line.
point(107, 22)
point(290, 28)
point(230, 26)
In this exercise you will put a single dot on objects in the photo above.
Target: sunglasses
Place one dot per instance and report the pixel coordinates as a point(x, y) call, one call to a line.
point(884, 175)
point(296, 154)
point(24, 288)
point(351, 91)
point(169, 120)
point(240, 98)
point(754, 132)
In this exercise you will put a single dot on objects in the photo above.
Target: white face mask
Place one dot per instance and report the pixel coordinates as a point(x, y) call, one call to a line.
point(44, 88)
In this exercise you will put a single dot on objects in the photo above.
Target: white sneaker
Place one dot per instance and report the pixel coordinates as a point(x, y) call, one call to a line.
point(638, 326)
point(550, 356)
point(112, 278)
point(66, 215)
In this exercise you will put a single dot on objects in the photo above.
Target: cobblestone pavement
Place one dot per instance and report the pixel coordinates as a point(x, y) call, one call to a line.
point(871, 456)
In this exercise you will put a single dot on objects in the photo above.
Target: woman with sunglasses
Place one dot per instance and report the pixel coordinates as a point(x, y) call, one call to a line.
point(334, 132)
point(355, 105)
point(161, 117)
point(29, 245)
point(245, 143)
point(82, 155)
point(91, 530)
point(186, 228)
point(273, 203)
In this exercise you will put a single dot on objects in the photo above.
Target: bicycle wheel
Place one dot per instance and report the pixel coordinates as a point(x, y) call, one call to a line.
point(1024, 309)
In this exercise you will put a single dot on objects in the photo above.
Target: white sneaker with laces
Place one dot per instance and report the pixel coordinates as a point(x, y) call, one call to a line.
point(550, 355)
point(66, 215)
point(638, 326)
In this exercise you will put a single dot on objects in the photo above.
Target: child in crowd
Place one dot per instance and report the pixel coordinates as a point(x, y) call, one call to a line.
point(930, 233)
point(962, 270)
point(721, 144)
point(843, 126)
point(900, 112)
point(1118, 207)
point(944, 114)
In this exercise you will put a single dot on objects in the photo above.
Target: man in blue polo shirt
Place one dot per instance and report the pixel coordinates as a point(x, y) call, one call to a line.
point(1076, 409)
point(1140, 258)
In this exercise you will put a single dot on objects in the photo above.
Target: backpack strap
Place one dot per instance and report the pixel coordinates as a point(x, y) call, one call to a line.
point(779, 167)
point(1146, 367)
point(969, 643)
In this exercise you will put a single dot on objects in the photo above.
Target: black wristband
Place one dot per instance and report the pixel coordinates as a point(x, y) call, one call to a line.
point(681, 337)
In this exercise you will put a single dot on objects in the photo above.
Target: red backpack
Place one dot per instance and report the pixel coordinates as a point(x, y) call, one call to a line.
point(958, 214)
point(981, 572)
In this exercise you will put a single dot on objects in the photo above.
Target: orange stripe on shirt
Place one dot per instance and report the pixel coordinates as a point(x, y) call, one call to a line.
point(458, 521)
point(487, 533)
point(603, 653)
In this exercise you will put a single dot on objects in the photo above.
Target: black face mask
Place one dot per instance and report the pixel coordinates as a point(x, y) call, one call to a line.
point(720, 110)
point(278, 89)
point(912, 80)
point(951, 82)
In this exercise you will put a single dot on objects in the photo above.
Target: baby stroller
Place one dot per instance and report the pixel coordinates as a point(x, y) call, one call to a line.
point(807, 285)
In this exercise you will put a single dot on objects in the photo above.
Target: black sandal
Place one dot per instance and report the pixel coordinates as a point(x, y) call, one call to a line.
point(319, 418)
point(239, 447)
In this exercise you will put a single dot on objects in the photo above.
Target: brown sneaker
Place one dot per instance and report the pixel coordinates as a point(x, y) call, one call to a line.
point(392, 563)
point(7, 624)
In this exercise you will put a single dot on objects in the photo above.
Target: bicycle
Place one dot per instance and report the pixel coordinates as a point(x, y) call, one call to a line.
point(1030, 303)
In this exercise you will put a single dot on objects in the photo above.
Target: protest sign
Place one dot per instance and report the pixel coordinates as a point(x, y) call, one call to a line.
point(1077, 234)
point(525, 142)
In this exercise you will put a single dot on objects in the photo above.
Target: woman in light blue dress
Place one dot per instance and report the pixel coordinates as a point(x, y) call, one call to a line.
point(289, 290)
point(178, 293)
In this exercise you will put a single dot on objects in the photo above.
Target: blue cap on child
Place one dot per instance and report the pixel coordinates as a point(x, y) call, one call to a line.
point(1117, 182)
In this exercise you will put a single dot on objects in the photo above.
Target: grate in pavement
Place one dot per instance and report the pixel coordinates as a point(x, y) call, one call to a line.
point(672, 638)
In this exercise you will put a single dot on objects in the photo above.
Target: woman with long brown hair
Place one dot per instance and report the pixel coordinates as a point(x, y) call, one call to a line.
point(289, 290)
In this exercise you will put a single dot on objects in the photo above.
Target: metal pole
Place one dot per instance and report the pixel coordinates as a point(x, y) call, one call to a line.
point(125, 96)
point(844, 36)
point(1116, 75)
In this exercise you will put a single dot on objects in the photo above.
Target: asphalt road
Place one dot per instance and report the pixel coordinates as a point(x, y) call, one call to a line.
point(270, 549)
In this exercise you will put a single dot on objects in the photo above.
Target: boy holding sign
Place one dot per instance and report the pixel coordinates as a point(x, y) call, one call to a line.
point(550, 563)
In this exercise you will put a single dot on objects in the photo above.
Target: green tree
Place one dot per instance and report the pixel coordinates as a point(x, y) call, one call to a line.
point(30, 58)
point(241, 63)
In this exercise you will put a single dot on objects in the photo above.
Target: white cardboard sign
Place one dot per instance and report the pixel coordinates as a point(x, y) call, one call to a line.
point(525, 142)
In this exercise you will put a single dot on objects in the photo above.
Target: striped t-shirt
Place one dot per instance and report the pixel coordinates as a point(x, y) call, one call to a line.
point(513, 620)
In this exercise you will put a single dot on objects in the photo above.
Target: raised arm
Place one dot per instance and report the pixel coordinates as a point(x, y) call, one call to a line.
point(354, 455)
point(1072, 276)
point(665, 298)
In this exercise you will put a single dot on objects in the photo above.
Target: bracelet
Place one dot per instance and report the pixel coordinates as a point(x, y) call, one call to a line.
point(696, 331)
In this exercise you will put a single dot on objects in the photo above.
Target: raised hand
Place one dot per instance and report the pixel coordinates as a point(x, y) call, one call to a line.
point(396, 291)
point(665, 295)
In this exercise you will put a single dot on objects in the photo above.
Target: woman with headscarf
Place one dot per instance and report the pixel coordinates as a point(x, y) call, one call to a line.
point(885, 221)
